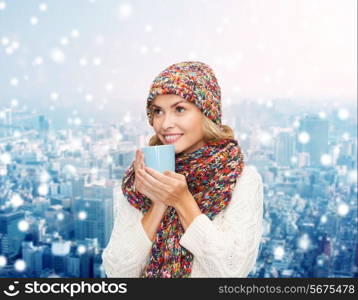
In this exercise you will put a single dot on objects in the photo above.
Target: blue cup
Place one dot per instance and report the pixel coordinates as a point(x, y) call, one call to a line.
point(160, 158)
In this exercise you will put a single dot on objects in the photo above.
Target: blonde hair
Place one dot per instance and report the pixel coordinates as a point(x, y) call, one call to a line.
point(212, 132)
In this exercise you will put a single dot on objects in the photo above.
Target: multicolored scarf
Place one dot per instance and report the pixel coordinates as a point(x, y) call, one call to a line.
point(211, 173)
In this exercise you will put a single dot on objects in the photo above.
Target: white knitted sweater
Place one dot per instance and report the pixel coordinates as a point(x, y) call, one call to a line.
point(226, 246)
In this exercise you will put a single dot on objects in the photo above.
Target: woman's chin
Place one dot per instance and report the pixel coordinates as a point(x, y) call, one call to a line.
point(177, 148)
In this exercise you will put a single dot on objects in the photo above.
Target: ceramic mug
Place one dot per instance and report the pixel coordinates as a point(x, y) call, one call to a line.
point(160, 157)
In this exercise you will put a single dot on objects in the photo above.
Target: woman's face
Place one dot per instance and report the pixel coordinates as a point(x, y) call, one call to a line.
point(182, 118)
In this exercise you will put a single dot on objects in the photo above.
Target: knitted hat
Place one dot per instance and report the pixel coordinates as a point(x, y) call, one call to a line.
point(192, 80)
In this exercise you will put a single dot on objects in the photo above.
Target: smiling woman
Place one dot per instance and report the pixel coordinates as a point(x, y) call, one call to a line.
point(177, 121)
point(204, 219)
point(211, 132)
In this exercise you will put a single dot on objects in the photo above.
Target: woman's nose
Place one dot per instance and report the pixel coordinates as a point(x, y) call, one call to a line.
point(169, 121)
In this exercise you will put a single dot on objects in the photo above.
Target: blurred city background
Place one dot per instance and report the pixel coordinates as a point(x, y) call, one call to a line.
point(74, 79)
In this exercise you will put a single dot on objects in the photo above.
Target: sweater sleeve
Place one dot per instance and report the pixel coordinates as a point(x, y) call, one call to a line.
point(229, 248)
point(129, 246)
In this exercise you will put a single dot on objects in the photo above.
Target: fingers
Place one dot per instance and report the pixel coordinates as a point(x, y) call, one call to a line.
point(141, 188)
point(175, 175)
point(150, 182)
point(159, 176)
point(139, 159)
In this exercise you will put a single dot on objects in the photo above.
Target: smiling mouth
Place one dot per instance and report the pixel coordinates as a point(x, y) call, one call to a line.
point(170, 139)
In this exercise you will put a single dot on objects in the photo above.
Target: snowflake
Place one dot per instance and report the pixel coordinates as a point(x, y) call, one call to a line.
point(124, 11)
point(34, 20)
point(81, 249)
point(75, 33)
point(326, 160)
point(279, 252)
point(20, 265)
point(343, 113)
point(3, 261)
point(43, 7)
point(14, 81)
point(57, 55)
point(82, 215)
point(23, 226)
point(303, 137)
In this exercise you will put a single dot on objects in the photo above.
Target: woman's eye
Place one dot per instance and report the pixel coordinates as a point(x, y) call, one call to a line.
point(155, 110)
point(179, 107)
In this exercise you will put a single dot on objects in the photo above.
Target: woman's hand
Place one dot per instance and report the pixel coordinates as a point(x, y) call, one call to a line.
point(138, 166)
point(170, 188)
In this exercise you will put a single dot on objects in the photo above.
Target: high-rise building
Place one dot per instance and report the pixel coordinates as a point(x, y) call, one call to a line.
point(317, 144)
point(43, 126)
point(60, 251)
point(285, 145)
point(6, 121)
point(10, 235)
point(73, 266)
point(32, 256)
point(94, 213)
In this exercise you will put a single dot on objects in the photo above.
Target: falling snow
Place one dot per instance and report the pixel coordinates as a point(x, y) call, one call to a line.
point(61, 78)
point(20, 265)
point(43, 7)
point(58, 56)
point(304, 137)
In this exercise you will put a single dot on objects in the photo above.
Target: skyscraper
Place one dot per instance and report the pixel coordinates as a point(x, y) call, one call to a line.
point(10, 235)
point(317, 144)
point(94, 213)
point(285, 145)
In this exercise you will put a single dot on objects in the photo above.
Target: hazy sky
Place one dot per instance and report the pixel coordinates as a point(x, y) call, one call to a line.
point(100, 54)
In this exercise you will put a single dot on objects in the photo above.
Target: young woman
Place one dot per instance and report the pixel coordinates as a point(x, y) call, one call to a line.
point(204, 219)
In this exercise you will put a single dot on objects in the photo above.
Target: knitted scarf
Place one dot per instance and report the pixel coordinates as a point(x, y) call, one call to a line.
point(211, 173)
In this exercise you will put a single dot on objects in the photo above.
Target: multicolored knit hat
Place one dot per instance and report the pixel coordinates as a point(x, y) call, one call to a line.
point(192, 80)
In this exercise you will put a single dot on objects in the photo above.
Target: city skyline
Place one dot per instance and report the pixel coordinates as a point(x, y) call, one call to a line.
point(59, 190)
point(75, 77)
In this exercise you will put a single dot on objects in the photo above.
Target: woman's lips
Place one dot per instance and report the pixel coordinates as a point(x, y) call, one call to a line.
point(170, 139)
